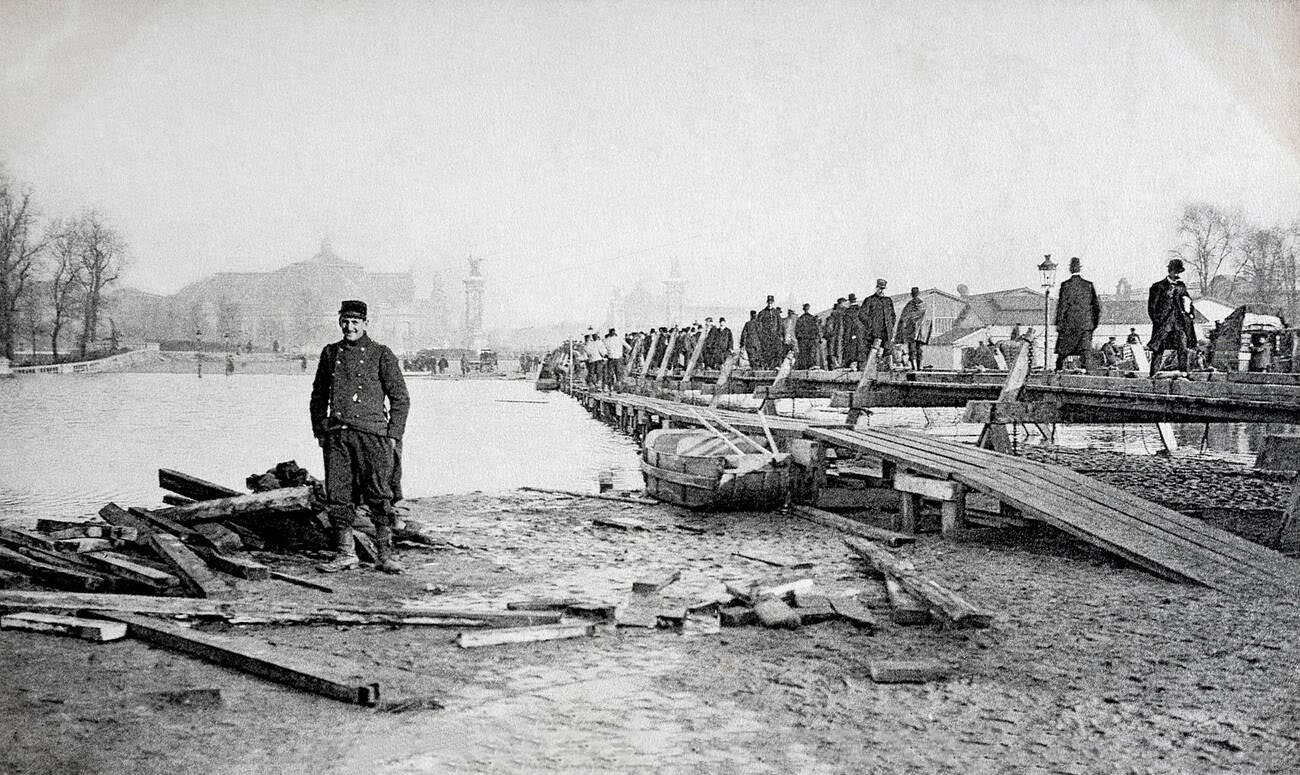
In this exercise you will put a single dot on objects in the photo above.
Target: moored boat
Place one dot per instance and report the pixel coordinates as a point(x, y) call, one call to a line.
point(700, 470)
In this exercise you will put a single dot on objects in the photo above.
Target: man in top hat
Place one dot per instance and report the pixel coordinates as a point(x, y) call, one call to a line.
point(361, 437)
point(1077, 313)
point(1169, 306)
point(913, 329)
point(770, 334)
point(876, 321)
point(852, 332)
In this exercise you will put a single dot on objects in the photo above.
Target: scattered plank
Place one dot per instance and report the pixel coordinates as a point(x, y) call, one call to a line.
point(852, 526)
point(737, 616)
point(542, 604)
point(944, 603)
point(86, 629)
point(893, 671)
point(774, 613)
point(778, 560)
point(622, 523)
point(176, 500)
point(250, 657)
point(250, 539)
point(83, 545)
point(50, 526)
point(13, 537)
point(116, 515)
point(192, 571)
point(192, 487)
point(702, 622)
point(280, 501)
point(51, 575)
point(642, 610)
point(134, 572)
point(242, 567)
point(10, 579)
point(651, 585)
point(908, 608)
point(300, 581)
point(600, 497)
point(813, 607)
point(219, 537)
point(161, 523)
point(475, 639)
point(851, 610)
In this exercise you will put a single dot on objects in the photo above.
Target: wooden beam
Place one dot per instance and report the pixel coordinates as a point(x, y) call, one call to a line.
point(852, 526)
point(477, 638)
point(193, 573)
point(696, 351)
point(908, 608)
point(668, 355)
point(248, 656)
point(52, 575)
point(308, 583)
point(649, 355)
point(134, 572)
point(934, 489)
point(1008, 412)
point(994, 435)
point(285, 499)
point(234, 565)
point(192, 487)
point(724, 375)
point(862, 393)
point(944, 603)
point(650, 585)
point(86, 629)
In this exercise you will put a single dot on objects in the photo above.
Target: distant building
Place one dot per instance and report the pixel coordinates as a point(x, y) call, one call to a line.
point(296, 306)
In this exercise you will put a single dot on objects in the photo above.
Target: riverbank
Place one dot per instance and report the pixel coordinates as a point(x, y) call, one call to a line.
point(1090, 666)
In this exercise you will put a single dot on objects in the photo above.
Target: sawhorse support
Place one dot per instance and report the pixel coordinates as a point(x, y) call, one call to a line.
point(861, 395)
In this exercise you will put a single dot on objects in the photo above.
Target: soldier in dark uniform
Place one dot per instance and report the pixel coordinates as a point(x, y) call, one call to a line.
point(876, 322)
point(770, 334)
point(913, 330)
point(1077, 313)
point(807, 331)
point(361, 437)
point(1169, 306)
point(834, 333)
point(749, 341)
point(852, 333)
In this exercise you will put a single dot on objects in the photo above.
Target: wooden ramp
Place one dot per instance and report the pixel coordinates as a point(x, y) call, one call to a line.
point(1163, 541)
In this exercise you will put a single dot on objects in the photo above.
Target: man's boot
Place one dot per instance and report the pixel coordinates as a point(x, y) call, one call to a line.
point(384, 548)
point(347, 552)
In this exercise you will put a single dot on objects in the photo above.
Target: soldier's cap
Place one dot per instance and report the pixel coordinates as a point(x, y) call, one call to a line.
point(916, 291)
point(852, 298)
point(1176, 266)
point(611, 333)
point(880, 282)
point(771, 299)
point(806, 306)
point(1075, 265)
point(721, 321)
point(840, 299)
point(353, 308)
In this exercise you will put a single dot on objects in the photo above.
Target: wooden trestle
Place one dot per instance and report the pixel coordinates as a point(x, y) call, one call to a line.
point(1165, 542)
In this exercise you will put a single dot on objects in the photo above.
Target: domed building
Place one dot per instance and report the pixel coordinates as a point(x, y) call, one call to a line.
point(297, 306)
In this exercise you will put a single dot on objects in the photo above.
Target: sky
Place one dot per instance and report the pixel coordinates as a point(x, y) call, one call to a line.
point(795, 148)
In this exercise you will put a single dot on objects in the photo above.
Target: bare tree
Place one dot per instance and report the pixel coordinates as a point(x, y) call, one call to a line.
point(1264, 263)
point(1209, 239)
point(101, 262)
point(30, 317)
point(66, 278)
point(19, 247)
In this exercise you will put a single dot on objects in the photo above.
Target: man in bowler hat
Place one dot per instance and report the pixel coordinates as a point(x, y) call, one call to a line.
point(360, 435)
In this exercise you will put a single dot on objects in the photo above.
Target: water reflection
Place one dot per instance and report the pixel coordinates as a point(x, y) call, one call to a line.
point(73, 443)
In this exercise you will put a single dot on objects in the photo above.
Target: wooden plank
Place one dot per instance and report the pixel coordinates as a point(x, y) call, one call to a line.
point(176, 500)
point(300, 581)
point(50, 574)
point(192, 487)
point(162, 523)
point(772, 558)
point(234, 565)
point(694, 359)
point(851, 610)
point(893, 671)
point(50, 526)
point(851, 526)
point(134, 572)
point(193, 573)
point(948, 605)
point(651, 585)
point(908, 608)
point(83, 545)
point(622, 523)
point(542, 604)
point(478, 638)
point(116, 515)
point(774, 613)
point(283, 500)
point(15, 537)
point(724, 375)
point(995, 435)
point(934, 489)
point(86, 629)
point(668, 355)
point(248, 656)
point(221, 538)
point(813, 607)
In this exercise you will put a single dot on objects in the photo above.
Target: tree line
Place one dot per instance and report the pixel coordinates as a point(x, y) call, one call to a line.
point(53, 273)
point(1229, 257)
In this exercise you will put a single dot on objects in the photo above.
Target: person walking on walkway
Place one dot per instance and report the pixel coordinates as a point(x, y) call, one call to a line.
point(615, 349)
point(1169, 306)
point(1078, 311)
point(876, 321)
point(770, 334)
point(913, 329)
point(807, 334)
point(749, 341)
point(359, 407)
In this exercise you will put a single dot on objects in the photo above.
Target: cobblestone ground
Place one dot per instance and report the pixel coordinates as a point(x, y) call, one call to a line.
point(1090, 667)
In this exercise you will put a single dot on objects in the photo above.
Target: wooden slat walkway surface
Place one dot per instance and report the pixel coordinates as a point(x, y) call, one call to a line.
point(1165, 542)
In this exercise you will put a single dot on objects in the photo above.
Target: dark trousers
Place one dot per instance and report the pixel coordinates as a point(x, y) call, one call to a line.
point(359, 470)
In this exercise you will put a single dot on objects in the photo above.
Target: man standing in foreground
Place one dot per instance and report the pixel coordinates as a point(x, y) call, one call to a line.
point(1077, 313)
point(361, 437)
point(876, 322)
point(913, 329)
point(1169, 306)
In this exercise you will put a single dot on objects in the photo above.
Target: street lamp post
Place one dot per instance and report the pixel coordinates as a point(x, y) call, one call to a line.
point(1048, 271)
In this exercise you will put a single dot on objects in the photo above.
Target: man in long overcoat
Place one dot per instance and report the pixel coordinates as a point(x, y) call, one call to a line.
point(807, 332)
point(770, 334)
point(877, 321)
point(1169, 306)
point(834, 333)
point(749, 340)
point(360, 436)
point(852, 333)
point(724, 342)
point(912, 329)
point(1078, 311)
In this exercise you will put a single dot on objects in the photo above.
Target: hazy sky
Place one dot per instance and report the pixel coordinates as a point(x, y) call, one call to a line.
point(796, 148)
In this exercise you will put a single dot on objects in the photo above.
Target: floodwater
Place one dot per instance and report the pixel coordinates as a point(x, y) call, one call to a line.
point(72, 443)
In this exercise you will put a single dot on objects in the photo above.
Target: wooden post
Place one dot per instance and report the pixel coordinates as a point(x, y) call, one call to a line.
point(994, 435)
point(908, 513)
point(668, 356)
point(632, 359)
point(862, 394)
point(727, 366)
point(649, 355)
point(694, 359)
point(1165, 430)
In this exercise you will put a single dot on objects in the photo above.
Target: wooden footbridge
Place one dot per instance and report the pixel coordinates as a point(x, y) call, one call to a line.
point(925, 468)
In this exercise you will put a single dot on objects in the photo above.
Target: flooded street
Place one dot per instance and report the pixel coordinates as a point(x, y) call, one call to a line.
point(74, 443)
